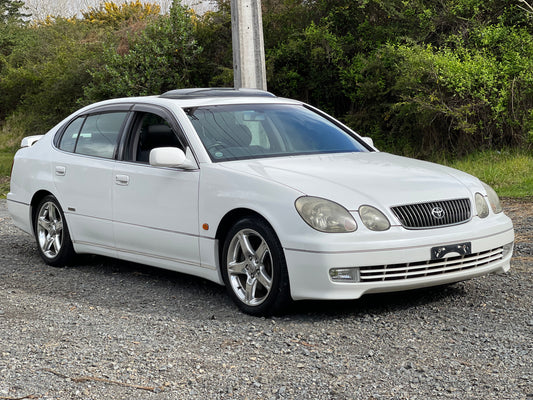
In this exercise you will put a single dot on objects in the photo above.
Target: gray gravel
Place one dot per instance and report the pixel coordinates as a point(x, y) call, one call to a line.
point(106, 329)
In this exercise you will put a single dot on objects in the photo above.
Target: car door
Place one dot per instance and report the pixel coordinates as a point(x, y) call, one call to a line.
point(155, 209)
point(83, 176)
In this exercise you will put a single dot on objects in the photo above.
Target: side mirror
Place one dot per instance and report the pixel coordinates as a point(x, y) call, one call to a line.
point(170, 157)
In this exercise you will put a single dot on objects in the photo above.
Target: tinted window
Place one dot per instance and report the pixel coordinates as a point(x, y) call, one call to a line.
point(99, 134)
point(68, 140)
point(249, 131)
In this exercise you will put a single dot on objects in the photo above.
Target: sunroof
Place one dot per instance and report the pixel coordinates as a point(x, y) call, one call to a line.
point(215, 92)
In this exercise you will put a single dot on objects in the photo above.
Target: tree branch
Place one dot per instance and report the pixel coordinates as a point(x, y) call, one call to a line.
point(529, 8)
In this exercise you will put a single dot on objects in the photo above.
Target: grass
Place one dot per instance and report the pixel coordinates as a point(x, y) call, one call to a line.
point(510, 173)
point(6, 160)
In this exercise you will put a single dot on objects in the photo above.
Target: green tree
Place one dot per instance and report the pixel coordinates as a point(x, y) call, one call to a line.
point(420, 76)
point(307, 67)
point(10, 10)
point(148, 60)
point(43, 74)
point(214, 64)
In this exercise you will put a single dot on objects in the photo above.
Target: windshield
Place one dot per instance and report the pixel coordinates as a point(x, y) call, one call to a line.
point(233, 132)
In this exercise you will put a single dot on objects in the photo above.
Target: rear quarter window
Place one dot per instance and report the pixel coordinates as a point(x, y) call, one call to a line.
point(70, 136)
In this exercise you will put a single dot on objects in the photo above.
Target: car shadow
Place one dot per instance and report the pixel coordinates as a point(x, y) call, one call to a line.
point(375, 304)
point(114, 283)
point(211, 299)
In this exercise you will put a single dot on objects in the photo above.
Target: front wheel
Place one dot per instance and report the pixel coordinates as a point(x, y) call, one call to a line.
point(254, 268)
point(51, 232)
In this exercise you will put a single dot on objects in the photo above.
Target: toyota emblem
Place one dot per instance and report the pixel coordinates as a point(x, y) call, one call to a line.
point(438, 212)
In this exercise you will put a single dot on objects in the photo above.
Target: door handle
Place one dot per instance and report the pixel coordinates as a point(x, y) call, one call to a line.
point(61, 170)
point(122, 180)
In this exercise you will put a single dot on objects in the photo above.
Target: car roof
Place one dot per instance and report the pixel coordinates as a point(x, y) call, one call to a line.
point(186, 98)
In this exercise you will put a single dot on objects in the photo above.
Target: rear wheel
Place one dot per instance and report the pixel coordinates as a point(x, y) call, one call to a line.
point(254, 268)
point(52, 234)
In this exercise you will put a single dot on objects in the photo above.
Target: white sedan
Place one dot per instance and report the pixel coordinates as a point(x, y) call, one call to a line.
point(268, 196)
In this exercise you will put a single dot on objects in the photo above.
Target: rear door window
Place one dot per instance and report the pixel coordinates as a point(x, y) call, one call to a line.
point(100, 133)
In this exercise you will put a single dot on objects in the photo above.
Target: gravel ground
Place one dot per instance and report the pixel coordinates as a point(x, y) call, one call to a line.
point(106, 329)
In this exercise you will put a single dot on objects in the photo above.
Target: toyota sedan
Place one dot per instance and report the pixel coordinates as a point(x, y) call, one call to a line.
point(268, 196)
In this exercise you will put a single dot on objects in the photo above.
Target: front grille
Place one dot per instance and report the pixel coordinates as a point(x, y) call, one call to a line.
point(396, 272)
point(433, 214)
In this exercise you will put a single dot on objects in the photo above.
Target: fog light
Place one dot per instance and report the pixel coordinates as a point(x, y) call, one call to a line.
point(344, 274)
point(507, 249)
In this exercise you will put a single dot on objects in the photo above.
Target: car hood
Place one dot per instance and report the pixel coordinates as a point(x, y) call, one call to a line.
point(352, 179)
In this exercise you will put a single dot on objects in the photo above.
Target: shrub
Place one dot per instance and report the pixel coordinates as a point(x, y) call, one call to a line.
point(115, 15)
point(149, 59)
point(44, 73)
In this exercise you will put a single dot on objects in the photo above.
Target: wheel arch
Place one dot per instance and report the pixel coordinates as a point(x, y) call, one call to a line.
point(229, 220)
point(36, 199)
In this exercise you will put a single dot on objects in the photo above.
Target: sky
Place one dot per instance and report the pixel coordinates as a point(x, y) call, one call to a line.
point(40, 9)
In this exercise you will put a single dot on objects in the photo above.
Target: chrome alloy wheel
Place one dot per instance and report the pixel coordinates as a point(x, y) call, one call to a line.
point(49, 229)
point(249, 266)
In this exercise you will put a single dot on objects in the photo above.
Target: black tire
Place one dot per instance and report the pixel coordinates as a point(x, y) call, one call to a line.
point(254, 268)
point(52, 234)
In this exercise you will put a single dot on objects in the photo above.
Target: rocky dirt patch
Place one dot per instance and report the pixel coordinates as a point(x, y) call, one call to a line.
point(105, 329)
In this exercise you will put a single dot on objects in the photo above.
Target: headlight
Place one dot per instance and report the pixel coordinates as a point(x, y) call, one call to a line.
point(494, 200)
point(373, 219)
point(325, 215)
point(481, 206)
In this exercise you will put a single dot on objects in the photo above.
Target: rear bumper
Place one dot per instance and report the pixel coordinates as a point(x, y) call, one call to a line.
point(21, 214)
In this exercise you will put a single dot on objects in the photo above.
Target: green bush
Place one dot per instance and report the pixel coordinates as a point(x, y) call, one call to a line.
point(451, 99)
point(214, 64)
point(44, 73)
point(422, 78)
point(118, 15)
point(148, 59)
point(306, 67)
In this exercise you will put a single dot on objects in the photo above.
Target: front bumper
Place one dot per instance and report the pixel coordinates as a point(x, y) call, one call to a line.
point(402, 263)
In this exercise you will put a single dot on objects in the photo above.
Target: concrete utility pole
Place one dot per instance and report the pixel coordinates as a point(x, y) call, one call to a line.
point(248, 46)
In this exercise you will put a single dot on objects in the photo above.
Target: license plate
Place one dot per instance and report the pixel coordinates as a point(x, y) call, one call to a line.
point(460, 249)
